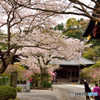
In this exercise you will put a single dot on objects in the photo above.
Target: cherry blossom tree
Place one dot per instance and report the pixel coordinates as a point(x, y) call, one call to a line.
point(16, 19)
point(51, 45)
point(85, 8)
point(26, 15)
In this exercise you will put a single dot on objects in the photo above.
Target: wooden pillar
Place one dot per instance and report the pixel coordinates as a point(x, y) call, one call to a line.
point(67, 74)
point(76, 75)
point(13, 80)
point(71, 75)
point(79, 74)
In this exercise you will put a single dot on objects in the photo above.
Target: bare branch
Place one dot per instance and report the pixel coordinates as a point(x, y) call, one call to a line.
point(3, 25)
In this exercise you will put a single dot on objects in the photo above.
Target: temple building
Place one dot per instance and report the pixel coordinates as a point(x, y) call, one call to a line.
point(70, 70)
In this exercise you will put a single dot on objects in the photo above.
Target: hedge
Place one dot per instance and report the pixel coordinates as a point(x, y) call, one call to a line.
point(7, 92)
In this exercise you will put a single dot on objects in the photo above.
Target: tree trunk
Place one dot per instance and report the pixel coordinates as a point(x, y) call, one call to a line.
point(9, 35)
point(5, 62)
point(41, 77)
point(3, 68)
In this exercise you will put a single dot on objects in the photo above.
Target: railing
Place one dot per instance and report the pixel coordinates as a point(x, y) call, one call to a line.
point(25, 87)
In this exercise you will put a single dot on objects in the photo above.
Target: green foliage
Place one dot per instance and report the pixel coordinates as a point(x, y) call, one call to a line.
point(97, 51)
point(89, 54)
point(19, 89)
point(71, 23)
point(7, 92)
point(36, 80)
point(96, 65)
point(95, 42)
point(46, 80)
point(75, 28)
point(3, 37)
point(4, 79)
point(4, 46)
point(93, 53)
point(47, 85)
point(92, 72)
point(60, 27)
point(73, 33)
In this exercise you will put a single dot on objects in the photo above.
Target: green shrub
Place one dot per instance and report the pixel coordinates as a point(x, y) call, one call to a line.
point(19, 89)
point(41, 82)
point(7, 92)
point(4, 79)
point(36, 80)
point(47, 85)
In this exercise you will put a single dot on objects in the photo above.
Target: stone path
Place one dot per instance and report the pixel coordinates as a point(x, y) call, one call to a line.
point(39, 95)
point(60, 92)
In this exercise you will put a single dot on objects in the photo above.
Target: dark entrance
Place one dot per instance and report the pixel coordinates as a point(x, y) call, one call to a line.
point(68, 73)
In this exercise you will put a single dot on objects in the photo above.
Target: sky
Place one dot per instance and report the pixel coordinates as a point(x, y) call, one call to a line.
point(87, 2)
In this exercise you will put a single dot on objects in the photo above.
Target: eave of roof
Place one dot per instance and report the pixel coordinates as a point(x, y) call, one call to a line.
point(82, 61)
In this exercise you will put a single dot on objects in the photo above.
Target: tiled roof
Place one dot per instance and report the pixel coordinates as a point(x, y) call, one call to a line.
point(81, 61)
